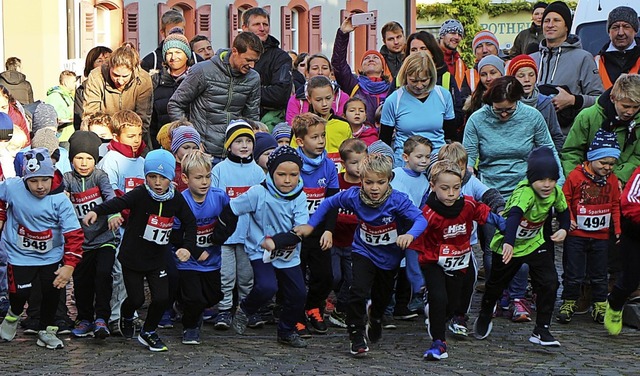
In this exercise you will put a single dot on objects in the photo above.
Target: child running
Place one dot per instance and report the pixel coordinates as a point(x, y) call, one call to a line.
point(389, 222)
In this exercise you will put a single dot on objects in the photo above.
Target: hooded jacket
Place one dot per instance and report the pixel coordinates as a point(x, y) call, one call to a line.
point(18, 86)
point(393, 59)
point(164, 85)
point(62, 100)
point(571, 66)
point(274, 68)
point(214, 94)
point(533, 34)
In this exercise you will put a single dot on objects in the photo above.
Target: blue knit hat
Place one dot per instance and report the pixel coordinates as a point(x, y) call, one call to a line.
point(282, 154)
point(281, 130)
point(264, 142)
point(541, 165)
point(160, 162)
point(182, 135)
point(604, 145)
point(37, 163)
point(176, 40)
point(380, 147)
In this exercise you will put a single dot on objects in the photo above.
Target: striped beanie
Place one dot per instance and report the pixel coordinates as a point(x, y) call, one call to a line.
point(176, 40)
point(182, 135)
point(521, 61)
point(235, 129)
point(281, 130)
point(379, 147)
point(485, 36)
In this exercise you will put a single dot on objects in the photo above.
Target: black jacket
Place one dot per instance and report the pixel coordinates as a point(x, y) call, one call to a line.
point(274, 67)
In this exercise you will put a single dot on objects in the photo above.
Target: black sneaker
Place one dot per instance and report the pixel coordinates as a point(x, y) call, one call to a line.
point(358, 344)
point(256, 321)
point(387, 322)
point(152, 341)
point(65, 325)
point(30, 325)
point(482, 326)
point(293, 340)
point(338, 318)
point(127, 328)
point(302, 331)
point(316, 321)
point(403, 313)
point(374, 329)
point(541, 336)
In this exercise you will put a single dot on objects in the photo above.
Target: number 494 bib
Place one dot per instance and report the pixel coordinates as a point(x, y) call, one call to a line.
point(158, 229)
point(593, 217)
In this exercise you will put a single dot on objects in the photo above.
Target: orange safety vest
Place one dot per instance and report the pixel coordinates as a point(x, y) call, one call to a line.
point(604, 75)
point(461, 70)
point(472, 78)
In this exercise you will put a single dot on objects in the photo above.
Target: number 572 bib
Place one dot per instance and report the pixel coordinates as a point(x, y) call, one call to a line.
point(454, 258)
point(158, 229)
point(38, 241)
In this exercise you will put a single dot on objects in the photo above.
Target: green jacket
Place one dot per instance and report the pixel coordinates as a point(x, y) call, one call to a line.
point(62, 100)
point(583, 131)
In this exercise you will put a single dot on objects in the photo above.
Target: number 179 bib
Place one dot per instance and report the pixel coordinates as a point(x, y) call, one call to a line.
point(158, 229)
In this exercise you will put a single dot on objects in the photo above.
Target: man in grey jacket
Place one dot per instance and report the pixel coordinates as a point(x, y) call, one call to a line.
point(218, 90)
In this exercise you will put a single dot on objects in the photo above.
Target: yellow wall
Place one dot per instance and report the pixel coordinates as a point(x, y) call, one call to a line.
point(34, 36)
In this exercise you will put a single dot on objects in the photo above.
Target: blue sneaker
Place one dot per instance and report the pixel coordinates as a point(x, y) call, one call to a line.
point(100, 329)
point(166, 322)
point(437, 351)
point(209, 314)
point(505, 301)
point(84, 328)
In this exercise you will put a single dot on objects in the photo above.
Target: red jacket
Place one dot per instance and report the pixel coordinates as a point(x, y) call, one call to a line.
point(591, 206)
point(630, 200)
point(347, 222)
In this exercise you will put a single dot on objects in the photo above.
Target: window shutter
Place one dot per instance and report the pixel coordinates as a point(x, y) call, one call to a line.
point(372, 33)
point(234, 24)
point(315, 30)
point(162, 9)
point(285, 26)
point(132, 25)
point(203, 21)
point(87, 28)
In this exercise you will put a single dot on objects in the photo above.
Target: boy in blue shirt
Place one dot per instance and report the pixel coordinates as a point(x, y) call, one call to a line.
point(389, 222)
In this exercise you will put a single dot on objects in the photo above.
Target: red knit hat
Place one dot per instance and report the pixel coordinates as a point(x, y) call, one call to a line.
point(521, 61)
point(378, 54)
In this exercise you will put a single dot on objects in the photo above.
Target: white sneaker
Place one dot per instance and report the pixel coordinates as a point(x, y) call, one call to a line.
point(9, 326)
point(47, 338)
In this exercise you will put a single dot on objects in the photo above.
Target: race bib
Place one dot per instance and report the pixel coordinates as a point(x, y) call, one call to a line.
point(38, 241)
point(84, 202)
point(314, 198)
point(527, 229)
point(335, 157)
point(593, 217)
point(130, 183)
point(234, 192)
point(204, 235)
point(158, 229)
point(284, 254)
point(454, 258)
point(379, 235)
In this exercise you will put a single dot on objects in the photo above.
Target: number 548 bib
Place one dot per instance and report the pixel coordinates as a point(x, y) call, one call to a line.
point(158, 229)
point(38, 241)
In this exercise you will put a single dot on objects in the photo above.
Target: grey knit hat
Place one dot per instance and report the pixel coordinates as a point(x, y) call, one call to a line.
point(451, 26)
point(624, 14)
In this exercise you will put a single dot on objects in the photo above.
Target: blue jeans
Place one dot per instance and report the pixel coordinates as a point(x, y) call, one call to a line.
point(582, 257)
point(342, 275)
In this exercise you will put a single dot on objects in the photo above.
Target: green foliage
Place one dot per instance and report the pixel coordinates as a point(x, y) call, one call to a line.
point(468, 11)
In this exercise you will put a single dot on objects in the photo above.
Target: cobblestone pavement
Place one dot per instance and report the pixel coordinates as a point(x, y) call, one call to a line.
point(586, 350)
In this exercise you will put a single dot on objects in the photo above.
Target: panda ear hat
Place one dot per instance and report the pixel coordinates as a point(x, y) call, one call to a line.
point(37, 163)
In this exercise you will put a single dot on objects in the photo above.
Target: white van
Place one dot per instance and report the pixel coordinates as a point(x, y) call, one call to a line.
point(590, 21)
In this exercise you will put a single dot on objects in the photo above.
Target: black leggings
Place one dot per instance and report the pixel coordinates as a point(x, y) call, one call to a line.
point(21, 279)
point(158, 286)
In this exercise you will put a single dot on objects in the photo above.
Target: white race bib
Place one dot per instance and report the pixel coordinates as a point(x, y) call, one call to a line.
point(84, 202)
point(37, 241)
point(158, 229)
point(527, 229)
point(285, 254)
point(234, 192)
point(204, 235)
point(454, 258)
point(314, 198)
point(130, 183)
point(593, 217)
point(379, 235)
point(335, 157)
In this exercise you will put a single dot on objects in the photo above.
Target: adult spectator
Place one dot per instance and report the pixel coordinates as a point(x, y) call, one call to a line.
point(622, 53)
point(484, 44)
point(489, 68)
point(16, 112)
point(418, 107)
point(531, 35)
point(95, 58)
point(274, 68)
point(61, 98)
point(564, 68)
point(16, 82)
point(317, 65)
point(177, 60)
point(450, 34)
point(370, 84)
point(201, 45)
point(424, 41)
point(299, 71)
point(221, 89)
point(394, 46)
point(120, 84)
point(524, 69)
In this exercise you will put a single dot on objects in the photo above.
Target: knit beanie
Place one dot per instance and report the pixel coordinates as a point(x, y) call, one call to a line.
point(491, 60)
point(378, 54)
point(521, 61)
point(43, 115)
point(625, 14)
point(182, 135)
point(160, 162)
point(84, 142)
point(176, 40)
point(562, 9)
point(235, 129)
point(283, 153)
point(264, 142)
point(281, 130)
point(46, 138)
point(37, 163)
point(539, 4)
point(6, 127)
point(451, 26)
point(542, 165)
point(379, 147)
point(604, 145)
point(485, 36)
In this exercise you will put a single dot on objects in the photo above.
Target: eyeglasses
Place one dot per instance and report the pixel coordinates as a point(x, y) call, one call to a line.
point(500, 111)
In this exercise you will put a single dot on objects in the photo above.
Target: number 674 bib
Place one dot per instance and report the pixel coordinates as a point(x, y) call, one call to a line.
point(158, 229)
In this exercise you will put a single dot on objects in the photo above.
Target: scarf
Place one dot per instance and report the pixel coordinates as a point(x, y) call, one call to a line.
point(532, 100)
point(375, 203)
point(309, 165)
point(600, 181)
point(446, 211)
point(450, 57)
point(275, 192)
point(373, 85)
point(168, 195)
